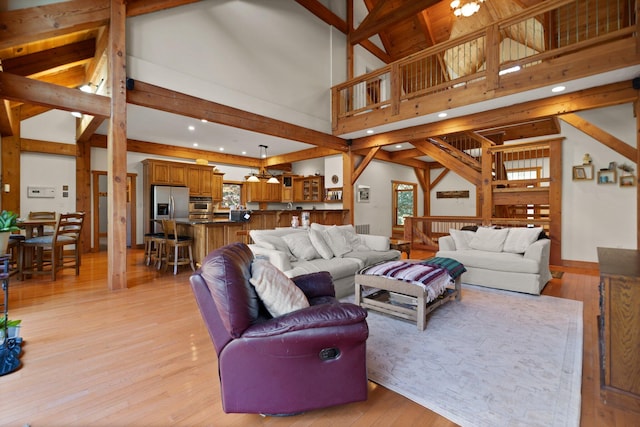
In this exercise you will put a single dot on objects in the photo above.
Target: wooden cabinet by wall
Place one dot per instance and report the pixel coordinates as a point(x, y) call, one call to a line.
point(619, 327)
point(216, 186)
point(199, 180)
point(308, 189)
point(263, 192)
point(287, 188)
point(161, 172)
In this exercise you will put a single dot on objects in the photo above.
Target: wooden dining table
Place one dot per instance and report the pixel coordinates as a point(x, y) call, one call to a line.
point(38, 225)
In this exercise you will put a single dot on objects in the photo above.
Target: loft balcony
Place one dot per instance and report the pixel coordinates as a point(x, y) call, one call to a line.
point(553, 42)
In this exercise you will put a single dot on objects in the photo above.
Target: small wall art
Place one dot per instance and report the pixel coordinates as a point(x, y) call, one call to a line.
point(363, 194)
point(628, 181)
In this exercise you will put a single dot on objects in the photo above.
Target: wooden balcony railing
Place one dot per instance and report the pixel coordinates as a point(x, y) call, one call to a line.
point(492, 57)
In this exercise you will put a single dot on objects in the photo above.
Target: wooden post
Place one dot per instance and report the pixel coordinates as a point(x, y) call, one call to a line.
point(555, 201)
point(347, 186)
point(83, 191)
point(117, 151)
point(11, 163)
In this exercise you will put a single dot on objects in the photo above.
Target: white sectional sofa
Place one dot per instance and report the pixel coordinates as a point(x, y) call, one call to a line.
point(336, 249)
point(513, 259)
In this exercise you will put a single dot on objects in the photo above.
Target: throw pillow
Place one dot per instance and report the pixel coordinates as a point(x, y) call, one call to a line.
point(519, 239)
point(273, 243)
point(337, 241)
point(300, 246)
point(461, 238)
point(278, 293)
point(489, 239)
point(321, 246)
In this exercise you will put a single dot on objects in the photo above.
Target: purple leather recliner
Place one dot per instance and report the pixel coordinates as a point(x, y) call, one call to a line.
point(307, 359)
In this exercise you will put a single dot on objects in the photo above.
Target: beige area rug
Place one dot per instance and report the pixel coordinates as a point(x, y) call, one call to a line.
point(496, 358)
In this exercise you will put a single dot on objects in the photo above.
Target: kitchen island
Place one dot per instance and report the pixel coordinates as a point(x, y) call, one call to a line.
point(208, 234)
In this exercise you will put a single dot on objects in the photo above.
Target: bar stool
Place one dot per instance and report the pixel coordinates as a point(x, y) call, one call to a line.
point(153, 246)
point(174, 246)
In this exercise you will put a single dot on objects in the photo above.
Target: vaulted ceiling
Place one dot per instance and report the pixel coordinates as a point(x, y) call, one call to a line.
point(71, 52)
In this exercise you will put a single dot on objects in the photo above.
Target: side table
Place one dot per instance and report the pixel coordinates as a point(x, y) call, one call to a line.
point(401, 245)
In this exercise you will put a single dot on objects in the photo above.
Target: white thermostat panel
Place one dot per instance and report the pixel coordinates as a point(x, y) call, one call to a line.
point(46, 192)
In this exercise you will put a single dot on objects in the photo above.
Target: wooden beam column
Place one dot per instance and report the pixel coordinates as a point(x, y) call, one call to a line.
point(83, 190)
point(637, 110)
point(117, 151)
point(555, 201)
point(11, 163)
point(347, 186)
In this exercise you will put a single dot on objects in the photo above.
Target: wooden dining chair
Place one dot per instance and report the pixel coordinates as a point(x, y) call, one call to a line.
point(174, 247)
point(66, 233)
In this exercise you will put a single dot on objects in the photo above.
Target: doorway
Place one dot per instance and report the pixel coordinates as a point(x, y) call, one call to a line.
point(100, 217)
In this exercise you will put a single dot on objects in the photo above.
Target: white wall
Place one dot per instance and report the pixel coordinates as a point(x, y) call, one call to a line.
point(44, 170)
point(597, 215)
point(270, 57)
point(377, 213)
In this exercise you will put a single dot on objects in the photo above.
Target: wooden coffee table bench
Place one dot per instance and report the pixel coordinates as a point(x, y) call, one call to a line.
point(401, 299)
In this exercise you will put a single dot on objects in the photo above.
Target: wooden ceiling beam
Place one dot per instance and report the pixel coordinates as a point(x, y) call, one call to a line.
point(23, 89)
point(140, 7)
point(150, 96)
point(452, 163)
point(298, 156)
point(602, 96)
point(385, 157)
point(6, 119)
point(363, 164)
point(379, 18)
point(47, 147)
point(601, 136)
point(153, 148)
point(37, 23)
point(27, 65)
point(325, 14)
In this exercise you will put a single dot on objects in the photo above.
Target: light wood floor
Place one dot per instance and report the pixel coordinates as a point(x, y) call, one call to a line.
point(142, 356)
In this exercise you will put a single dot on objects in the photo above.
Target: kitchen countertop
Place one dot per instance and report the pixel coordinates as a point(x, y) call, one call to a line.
point(188, 221)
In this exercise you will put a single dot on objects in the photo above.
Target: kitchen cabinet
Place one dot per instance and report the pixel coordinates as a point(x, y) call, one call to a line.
point(263, 192)
point(161, 172)
point(216, 186)
point(308, 189)
point(618, 327)
point(200, 180)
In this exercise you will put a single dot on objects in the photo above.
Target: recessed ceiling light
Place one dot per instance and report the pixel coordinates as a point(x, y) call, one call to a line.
point(558, 89)
point(441, 115)
point(399, 146)
point(203, 120)
point(195, 144)
point(192, 128)
point(509, 70)
point(369, 132)
point(221, 148)
point(244, 153)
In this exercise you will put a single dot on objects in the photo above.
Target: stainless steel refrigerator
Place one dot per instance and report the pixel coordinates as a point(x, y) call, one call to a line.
point(169, 202)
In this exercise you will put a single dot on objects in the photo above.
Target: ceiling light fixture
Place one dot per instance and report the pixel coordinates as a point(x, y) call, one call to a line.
point(442, 115)
point(558, 89)
point(465, 7)
point(264, 173)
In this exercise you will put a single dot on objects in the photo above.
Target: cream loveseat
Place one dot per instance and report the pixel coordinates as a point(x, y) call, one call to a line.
point(336, 249)
point(513, 259)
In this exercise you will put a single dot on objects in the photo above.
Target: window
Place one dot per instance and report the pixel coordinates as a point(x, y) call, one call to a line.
point(405, 201)
point(231, 195)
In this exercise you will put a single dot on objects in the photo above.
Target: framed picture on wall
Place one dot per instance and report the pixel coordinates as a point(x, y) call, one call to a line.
point(628, 181)
point(362, 196)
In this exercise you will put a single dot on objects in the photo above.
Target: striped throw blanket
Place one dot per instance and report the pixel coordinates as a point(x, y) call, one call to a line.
point(454, 267)
point(432, 278)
